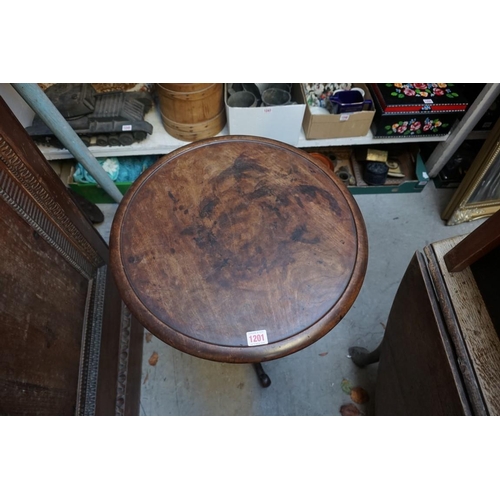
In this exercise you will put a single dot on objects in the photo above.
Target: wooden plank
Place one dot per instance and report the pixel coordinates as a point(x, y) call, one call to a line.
point(479, 334)
point(417, 373)
point(463, 361)
point(475, 245)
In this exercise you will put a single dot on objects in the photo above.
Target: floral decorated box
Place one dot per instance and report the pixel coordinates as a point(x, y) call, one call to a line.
point(414, 117)
point(420, 97)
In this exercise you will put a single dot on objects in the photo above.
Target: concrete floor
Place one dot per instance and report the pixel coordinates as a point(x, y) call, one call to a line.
point(316, 380)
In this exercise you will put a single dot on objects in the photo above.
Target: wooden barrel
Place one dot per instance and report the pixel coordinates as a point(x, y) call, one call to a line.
point(183, 87)
point(192, 111)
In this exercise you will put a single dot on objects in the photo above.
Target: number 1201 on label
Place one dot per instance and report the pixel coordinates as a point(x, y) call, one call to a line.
point(259, 337)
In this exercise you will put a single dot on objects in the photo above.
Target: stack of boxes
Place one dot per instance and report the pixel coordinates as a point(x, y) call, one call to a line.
point(400, 110)
point(407, 110)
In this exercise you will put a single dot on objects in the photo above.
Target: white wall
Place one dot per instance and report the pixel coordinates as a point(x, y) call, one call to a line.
point(17, 104)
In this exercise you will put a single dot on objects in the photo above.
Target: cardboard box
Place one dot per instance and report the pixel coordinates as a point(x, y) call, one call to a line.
point(414, 181)
point(340, 158)
point(411, 164)
point(330, 126)
point(282, 123)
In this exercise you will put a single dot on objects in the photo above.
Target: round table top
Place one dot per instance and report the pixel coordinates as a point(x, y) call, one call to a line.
point(238, 249)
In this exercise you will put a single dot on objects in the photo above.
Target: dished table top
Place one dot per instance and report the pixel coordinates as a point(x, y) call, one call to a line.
point(238, 234)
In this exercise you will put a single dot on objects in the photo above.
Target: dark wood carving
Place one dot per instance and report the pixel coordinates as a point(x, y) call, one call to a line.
point(32, 200)
point(58, 302)
point(238, 234)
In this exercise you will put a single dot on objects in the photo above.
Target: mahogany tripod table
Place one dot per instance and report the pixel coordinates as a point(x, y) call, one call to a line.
point(238, 249)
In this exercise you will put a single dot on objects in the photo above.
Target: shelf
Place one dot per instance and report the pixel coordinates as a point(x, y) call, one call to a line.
point(367, 139)
point(160, 142)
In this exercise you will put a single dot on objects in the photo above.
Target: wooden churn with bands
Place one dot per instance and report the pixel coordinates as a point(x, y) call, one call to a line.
point(192, 111)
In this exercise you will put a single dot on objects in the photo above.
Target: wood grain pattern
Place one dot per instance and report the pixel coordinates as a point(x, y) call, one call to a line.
point(477, 329)
point(237, 234)
point(38, 328)
point(191, 111)
point(464, 363)
point(417, 372)
point(55, 314)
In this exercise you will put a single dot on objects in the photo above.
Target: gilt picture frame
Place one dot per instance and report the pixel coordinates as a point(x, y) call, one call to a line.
point(479, 192)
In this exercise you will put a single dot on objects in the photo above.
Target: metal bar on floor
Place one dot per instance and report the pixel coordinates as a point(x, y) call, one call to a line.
point(45, 109)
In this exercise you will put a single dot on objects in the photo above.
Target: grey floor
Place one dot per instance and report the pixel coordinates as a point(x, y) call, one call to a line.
point(318, 379)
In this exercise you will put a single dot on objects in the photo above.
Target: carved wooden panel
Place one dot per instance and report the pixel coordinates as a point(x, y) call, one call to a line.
point(60, 312)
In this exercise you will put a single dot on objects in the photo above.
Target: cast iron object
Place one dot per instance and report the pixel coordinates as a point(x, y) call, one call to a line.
point(263, 377)
point(91, 210)
point(92, 114)
point(376, 173)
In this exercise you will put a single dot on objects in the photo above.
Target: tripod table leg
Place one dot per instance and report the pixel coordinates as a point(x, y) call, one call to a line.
point(362, 357)
point(264, 379)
